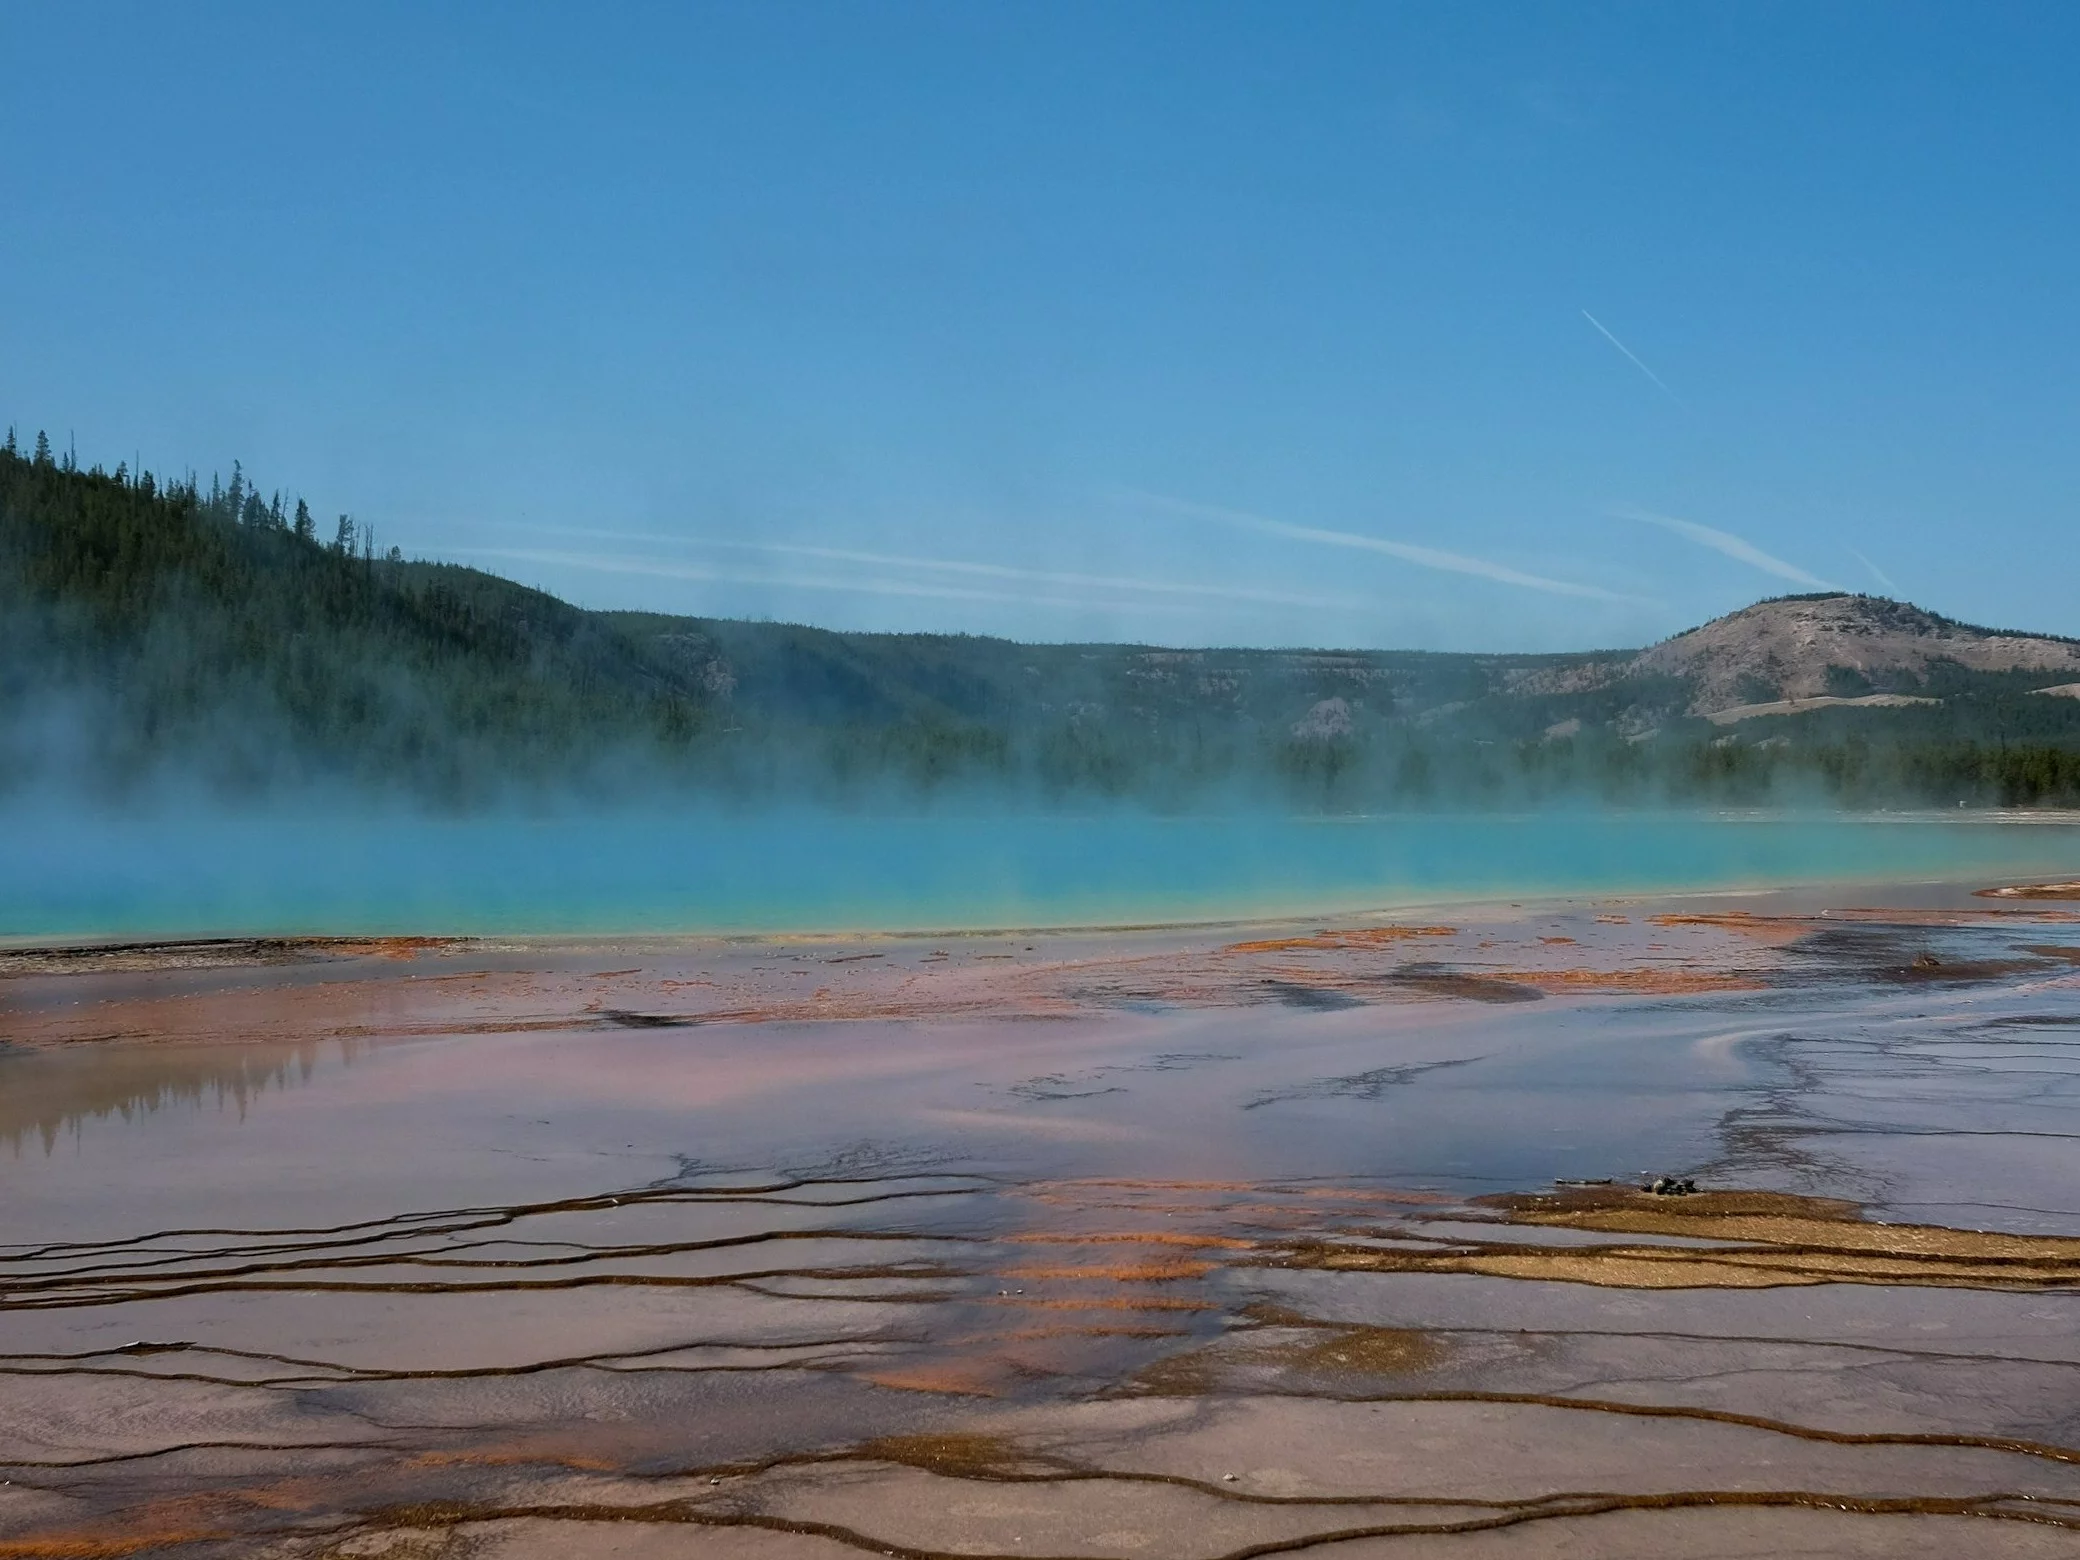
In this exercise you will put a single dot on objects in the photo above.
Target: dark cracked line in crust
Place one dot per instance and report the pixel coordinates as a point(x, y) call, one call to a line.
point(1953, 1441)
point(1994, 1505)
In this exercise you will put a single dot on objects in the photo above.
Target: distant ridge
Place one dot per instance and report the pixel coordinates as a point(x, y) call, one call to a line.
point(152, 631)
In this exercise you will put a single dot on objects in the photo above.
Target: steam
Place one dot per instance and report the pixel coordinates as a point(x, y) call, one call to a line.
point(251, 672)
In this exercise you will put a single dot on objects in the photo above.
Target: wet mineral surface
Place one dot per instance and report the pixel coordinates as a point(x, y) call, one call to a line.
point(1203, 1242)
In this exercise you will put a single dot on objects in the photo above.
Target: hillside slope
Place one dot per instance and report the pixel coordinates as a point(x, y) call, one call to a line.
point(143, 626)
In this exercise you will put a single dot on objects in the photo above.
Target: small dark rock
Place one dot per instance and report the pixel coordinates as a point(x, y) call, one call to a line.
point(622, 1018)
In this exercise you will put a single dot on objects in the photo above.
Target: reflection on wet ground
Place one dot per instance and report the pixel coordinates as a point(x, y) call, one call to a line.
point(1172, 1243)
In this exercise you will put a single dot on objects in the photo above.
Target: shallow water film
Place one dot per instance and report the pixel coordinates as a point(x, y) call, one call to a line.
point(1328, 1235)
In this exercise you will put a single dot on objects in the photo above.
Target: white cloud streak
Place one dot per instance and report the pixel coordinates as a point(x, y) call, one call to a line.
point(1729, 544)
point(1878, 574)
point(989, 571)
point(1003, 571)
point(665, 569)
point(1631, 356)
point(1406, 552)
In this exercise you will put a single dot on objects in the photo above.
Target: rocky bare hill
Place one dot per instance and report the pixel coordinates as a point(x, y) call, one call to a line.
point(1809, 647)
point(1834, 649)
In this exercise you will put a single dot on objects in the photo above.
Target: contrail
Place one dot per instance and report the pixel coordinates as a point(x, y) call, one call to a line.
point(1003, 571)
point(1407, 552)
point(1879, 574)
point(987, 571)
point(1733, 546)
point(848, 584)
point(1633, 356)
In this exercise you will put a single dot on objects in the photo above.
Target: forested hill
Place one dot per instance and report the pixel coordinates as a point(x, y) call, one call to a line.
point(155, 633)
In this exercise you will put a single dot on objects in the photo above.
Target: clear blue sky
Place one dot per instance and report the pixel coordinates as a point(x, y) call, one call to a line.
point(1192, 323)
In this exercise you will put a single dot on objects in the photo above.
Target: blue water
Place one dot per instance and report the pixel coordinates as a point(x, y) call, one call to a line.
point(67, 876)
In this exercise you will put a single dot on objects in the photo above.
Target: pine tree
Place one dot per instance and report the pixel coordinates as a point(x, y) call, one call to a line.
point(306, 527)
point(10, 446)
point(275, 518)
point(343, 538)
point(43, 448)
point(122, 473)
point(236, 498)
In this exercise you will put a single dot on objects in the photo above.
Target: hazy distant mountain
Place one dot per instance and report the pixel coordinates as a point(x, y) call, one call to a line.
point(147, 630)
point(1826, 651)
